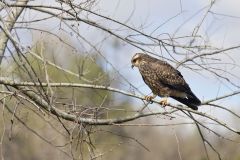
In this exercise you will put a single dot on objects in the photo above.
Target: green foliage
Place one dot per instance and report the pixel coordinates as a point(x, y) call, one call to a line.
point(81, 101)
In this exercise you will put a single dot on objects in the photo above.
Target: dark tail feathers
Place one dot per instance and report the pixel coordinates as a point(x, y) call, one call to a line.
point(191, 101)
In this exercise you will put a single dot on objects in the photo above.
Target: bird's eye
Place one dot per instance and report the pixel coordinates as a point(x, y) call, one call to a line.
point(134, 60)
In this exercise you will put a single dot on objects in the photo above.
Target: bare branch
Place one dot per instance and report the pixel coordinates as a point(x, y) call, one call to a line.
point(9, 23)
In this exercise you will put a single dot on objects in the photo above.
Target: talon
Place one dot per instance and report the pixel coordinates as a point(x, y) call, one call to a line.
point(149, 98)
point(163, 102)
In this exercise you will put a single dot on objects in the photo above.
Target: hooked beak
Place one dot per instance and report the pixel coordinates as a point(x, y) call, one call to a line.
point(132, 66)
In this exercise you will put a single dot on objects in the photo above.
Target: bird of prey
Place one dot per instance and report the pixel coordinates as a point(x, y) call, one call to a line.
point(164, 80)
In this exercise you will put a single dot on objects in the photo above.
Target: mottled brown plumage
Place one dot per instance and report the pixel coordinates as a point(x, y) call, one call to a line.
point(164, 80)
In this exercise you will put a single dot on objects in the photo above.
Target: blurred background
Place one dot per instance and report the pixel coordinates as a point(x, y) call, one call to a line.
point(92, 42)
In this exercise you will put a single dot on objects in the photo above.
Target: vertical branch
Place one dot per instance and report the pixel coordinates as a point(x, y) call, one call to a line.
point(3, 127)
point(9, 22)
point(201, 135)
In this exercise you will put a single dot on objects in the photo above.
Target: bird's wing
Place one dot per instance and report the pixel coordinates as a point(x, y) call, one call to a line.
point(170, 77)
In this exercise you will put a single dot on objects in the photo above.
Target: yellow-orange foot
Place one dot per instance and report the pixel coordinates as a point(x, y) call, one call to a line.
point(163, 102)
point(149, 98)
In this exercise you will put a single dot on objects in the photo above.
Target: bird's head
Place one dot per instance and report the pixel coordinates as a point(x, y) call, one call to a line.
point(136, 59)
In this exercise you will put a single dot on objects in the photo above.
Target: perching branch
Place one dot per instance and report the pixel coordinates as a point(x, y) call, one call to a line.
point(70, 117)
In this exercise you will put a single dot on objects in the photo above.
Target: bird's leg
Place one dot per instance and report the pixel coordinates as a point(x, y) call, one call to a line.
point(163, 101)
point(150, 98)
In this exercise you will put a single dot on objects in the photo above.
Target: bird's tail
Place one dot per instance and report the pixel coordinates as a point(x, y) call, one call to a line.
point(191, 101)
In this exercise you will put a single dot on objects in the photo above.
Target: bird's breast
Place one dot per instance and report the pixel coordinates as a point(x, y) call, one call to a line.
point(152, 80)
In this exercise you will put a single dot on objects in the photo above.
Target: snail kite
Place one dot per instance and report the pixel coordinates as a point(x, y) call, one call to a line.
point(164, 80)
